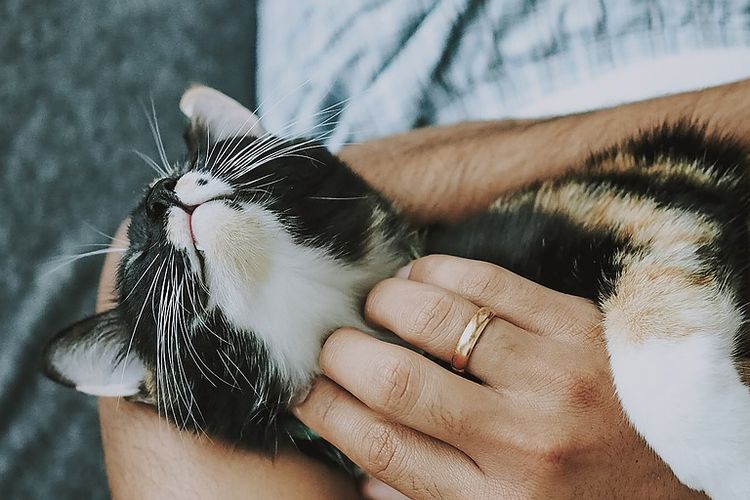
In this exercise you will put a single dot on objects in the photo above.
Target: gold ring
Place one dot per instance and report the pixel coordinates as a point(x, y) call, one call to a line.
point(469, 338)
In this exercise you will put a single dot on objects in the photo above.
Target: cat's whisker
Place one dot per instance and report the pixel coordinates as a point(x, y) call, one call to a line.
point(243, 376)
point(105, 235)
point(237, 160)
point(135, 287)
point(237, 134)
point(253, 186)
point(160, 403)
point(254, 182)
point(199, 313)
point(160, 142)
point(200, 364)
point(170, 333)
point(99, 245)
point(235, 384)
point(255, 113)
point(248, 165)
point(235, 137)
point(173, 327)
point(253, 149)
point(251, 164)
point(290, 124)
point(150, 162)
point(267, 141)
point(290, 152)
point(153, 124)
point(92, 253)
point(339, 198)
point(182, 384)
point(151, 287)
point(162, 322)
point(162, 390)
point(228, 163)
point(66, 260)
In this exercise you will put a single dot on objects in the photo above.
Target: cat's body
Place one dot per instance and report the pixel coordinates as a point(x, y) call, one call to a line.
point(244, 258)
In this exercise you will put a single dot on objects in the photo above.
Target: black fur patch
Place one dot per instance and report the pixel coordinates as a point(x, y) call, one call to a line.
point(546, 248)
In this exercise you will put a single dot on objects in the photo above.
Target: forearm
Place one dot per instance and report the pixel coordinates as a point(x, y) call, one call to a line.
point(147, 458)
point(487, 158)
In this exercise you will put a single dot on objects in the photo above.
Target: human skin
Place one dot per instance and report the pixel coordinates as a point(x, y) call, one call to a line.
point(432, 174)
point(543, 423)
point(446, 172)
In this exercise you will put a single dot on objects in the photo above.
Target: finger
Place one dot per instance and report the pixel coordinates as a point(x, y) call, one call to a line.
point(433, 320)
point(522, 302)
point(414, 464)
point(372, 489)
point(410, 389)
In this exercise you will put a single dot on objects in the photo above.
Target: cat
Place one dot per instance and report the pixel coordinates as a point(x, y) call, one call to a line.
point(244, 257)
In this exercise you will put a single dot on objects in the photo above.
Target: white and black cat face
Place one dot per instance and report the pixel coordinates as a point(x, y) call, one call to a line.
point(240, 261)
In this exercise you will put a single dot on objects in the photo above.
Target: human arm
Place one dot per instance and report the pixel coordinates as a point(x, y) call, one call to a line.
point(440, 173)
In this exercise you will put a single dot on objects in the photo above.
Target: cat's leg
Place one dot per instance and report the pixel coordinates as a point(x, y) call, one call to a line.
point(670, 335)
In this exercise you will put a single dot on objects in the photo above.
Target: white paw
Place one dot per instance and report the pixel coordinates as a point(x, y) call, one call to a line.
point(685, 397)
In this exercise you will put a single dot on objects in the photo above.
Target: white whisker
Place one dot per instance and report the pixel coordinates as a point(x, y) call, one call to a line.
point(150, 162)
point(66, 260)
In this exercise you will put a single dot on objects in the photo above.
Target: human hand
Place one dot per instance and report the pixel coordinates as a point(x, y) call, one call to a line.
point(543, 423)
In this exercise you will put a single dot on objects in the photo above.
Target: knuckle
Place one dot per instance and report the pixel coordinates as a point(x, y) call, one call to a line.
point(425, 266)
point(382, 452)
point(481, 283)
point(394, 389)
point(433, 314)
point(557, 319)
point(553, 459)
point(375, 298)
point(550, 453)
point(327, 410)
point(582, 392)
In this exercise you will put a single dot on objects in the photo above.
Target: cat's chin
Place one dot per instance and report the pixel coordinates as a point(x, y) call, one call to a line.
point(234, 243)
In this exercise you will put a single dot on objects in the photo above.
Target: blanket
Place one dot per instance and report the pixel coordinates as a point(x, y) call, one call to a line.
point(73, 80)
point(349, 71)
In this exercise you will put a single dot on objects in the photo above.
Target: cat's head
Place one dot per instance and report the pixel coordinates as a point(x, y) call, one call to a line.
point(241, 260)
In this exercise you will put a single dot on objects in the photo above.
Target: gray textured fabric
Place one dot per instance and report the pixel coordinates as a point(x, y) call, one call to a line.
point(403, 64)
point(72, 78)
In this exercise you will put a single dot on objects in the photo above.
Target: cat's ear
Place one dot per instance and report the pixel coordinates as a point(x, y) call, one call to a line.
point(222, 116)
point(92, 356)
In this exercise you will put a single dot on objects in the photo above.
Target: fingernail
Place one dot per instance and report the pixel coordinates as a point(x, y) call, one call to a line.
point(404, 272)
point(377, 490)
point(302, 397)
